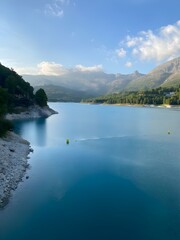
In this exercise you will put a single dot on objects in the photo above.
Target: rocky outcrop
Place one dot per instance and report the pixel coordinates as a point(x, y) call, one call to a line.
point(32, 112)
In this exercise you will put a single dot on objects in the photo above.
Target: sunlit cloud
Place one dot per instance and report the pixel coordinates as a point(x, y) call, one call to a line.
point(161, 45)
point(51, 68)
point(56, 69)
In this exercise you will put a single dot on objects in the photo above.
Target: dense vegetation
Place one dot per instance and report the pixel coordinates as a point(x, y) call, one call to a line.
point(15, 96)
point(63, 94)
point(158, 96)
point(41, 97)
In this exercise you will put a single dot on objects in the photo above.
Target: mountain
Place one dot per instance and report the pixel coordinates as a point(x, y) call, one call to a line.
point(95, 82)
point(62, 94)
point(74, 85)
point(165, 75)
point(86, 83)
point(121, 81)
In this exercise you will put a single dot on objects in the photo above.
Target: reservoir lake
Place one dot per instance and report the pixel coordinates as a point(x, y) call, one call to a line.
point(117, 179)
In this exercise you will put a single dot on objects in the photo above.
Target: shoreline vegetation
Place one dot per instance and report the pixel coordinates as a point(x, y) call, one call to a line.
point(17, 101)
point(155, 97)
point(165, 106)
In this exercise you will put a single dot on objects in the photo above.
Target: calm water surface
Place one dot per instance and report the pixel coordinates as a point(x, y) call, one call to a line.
point(119, 178)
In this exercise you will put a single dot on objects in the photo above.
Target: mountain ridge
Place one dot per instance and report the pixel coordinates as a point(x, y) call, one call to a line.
point(100, 83)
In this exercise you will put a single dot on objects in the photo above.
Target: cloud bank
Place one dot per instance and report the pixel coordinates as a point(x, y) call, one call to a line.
point(159, 46)
point(56, 69)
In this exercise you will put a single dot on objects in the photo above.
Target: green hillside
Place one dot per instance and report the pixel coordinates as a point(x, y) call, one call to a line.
point(165, 75)
point(16, 95)
point(62, 94)
point(158, 96)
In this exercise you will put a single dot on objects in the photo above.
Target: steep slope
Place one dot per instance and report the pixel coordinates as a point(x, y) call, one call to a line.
point(16, 95)
point(121, 81)
point(166, 74)
point(16, 91)
point(172, 80)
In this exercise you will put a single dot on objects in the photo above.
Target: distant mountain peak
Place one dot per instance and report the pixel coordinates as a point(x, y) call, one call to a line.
point(137, 73)
point(99, 83)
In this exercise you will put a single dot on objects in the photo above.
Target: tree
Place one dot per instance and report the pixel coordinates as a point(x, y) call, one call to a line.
point(41, 98)
point(3, 101)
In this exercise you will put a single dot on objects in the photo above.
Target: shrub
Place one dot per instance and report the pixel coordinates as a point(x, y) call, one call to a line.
point(5, 125)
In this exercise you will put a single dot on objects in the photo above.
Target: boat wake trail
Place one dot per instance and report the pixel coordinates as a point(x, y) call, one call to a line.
point(100, 138)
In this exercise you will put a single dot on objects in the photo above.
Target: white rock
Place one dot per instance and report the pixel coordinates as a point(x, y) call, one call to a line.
point(12, 167)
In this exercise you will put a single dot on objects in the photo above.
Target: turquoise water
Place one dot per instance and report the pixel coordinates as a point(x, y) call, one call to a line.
point(119, 178)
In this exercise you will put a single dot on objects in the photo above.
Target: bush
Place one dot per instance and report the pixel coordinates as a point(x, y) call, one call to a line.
point(5, 125)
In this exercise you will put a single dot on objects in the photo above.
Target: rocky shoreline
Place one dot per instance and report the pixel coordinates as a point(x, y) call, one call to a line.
point(14, 151)
point(32, 112)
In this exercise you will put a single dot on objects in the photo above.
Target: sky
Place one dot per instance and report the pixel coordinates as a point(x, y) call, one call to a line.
point(115, 36)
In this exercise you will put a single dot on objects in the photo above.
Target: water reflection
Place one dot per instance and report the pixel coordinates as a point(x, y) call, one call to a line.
point(41, 131)
point(120, 177)
point(34, 130)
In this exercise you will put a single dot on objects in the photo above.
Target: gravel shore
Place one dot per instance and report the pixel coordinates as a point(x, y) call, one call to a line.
point(14, 152)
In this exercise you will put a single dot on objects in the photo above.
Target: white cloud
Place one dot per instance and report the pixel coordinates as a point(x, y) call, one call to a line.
point(56, 8)
point(121, 52)
point(55, 69)
point(96, 68)
point(161, 45)
point(51, 68)
point(128, 64)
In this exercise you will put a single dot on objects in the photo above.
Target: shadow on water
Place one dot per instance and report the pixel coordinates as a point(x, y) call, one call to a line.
point(38, 130)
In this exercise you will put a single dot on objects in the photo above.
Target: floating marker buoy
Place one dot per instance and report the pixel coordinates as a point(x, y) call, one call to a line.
point(169, 132)
point(67, 141)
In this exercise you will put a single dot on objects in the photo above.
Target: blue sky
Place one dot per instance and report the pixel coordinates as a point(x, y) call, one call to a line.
point(52, 36)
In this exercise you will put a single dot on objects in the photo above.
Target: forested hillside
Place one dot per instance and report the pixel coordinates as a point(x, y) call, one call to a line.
point(158, 96)
point(16, 95)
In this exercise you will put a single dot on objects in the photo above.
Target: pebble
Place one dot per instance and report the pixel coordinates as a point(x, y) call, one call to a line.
point(12, 166)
